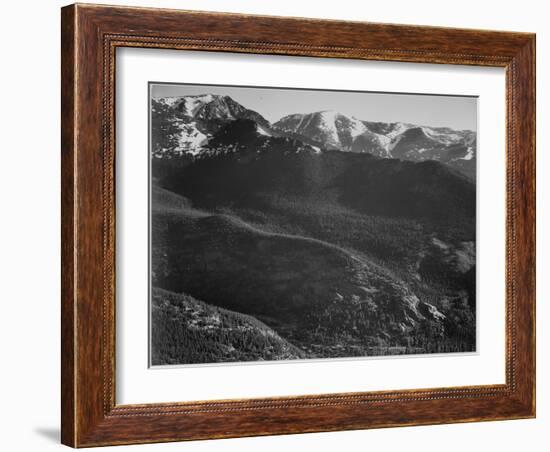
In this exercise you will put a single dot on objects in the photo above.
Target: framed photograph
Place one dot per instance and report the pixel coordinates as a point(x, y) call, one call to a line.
point(281, 225)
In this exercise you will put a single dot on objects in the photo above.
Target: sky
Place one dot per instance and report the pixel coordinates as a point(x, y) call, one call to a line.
point(457, 112)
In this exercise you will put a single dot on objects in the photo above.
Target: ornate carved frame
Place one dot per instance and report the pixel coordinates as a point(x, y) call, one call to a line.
point(90, 36)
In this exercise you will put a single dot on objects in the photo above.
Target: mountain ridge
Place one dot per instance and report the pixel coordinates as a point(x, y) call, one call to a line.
point(189, 122)
point(389, 140)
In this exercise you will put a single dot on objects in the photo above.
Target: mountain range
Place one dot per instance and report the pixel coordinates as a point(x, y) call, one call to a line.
point(189, 122)
point(304, 238)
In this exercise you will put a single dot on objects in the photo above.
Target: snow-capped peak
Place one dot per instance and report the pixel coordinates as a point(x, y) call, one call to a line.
point(190, 105)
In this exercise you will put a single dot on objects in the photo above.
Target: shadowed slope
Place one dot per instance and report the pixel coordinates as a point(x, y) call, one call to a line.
point(301, 287)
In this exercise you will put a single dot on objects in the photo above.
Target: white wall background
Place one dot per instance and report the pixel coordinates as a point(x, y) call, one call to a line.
point(29, 230)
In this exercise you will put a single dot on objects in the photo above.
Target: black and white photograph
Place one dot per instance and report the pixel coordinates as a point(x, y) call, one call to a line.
point(294, 224)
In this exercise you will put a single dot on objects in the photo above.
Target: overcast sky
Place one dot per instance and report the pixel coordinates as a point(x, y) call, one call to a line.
point(457, 112)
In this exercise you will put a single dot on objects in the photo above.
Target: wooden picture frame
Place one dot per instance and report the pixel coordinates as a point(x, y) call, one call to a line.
point(90, 36)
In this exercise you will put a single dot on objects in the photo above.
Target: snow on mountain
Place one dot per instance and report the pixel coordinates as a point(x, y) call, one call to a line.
point(469, 155)
point(187, 105)
point(334, 130)
point(328, 123)
point(191, 138)
point(169, 101)
point(397, 129)
point(192, 104)
point(209, 107)
point(329, 127)
point(320, 126)
point(263, 131)
point(443, 135)
point(186, 123)
point(189, 122)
